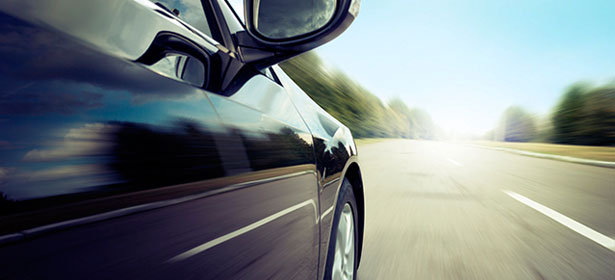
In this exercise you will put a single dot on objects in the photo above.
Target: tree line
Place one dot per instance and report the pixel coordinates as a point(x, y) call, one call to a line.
point(361, 111)
point(584, 115)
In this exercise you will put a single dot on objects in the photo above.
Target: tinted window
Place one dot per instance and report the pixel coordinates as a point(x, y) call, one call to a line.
point(190, 11)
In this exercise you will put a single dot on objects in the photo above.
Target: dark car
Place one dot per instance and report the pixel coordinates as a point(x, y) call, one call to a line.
point(160, 140)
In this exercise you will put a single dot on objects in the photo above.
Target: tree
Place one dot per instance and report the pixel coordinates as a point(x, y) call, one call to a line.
point(361, 111)
point(568, 115)
point(405, 123)
point(516, 125)
point(425, 128)
point(597, 127)
point(585, 116)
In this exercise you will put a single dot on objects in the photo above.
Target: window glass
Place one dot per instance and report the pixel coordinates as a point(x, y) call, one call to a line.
point(269, 74)
point(181, 68)
point(190, 11)
point(237, 6)
point(167, 66)
point(232, 21)
point(194, 72)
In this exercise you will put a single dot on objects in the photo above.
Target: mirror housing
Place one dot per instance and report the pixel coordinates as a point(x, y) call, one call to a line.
point(266, 46)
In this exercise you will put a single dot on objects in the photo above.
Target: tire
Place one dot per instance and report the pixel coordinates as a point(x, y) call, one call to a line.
point(341, 263)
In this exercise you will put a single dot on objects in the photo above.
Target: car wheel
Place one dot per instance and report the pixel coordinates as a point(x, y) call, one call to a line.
point(342, 253)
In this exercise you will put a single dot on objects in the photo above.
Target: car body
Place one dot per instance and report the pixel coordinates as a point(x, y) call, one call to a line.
point(120, 159)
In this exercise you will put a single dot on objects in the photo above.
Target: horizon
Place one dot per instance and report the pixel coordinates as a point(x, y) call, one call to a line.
point(492, 55)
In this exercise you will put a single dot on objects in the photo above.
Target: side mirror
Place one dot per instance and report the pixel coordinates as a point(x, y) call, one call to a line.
point(280, 29)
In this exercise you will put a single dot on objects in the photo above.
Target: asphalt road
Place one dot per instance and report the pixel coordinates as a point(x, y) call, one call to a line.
point(440, 211)
point(434, 211)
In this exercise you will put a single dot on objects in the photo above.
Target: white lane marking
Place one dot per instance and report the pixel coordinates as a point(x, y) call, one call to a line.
point(454, 162)
point(327, 212)
point(569, 223)
point(229, 236)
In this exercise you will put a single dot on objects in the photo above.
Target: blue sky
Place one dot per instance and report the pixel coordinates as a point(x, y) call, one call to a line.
point(466, 61)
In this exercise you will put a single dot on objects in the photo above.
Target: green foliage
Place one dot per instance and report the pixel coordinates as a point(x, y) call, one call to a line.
point(585, 116)
point(544, 129)
point(362, 112)
point(403, 122)
point(567, 119)
point(516, 125)
point(425, 127)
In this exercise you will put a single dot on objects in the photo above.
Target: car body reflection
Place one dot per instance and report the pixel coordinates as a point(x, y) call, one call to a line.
point(162, 166)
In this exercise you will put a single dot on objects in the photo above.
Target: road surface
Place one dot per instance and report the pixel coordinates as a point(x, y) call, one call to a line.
point(448, 211)
point(434, 211)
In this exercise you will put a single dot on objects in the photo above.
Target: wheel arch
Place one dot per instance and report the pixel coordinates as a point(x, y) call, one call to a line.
point(354, 176)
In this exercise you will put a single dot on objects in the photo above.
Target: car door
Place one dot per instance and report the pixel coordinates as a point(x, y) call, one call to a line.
point(268, 139)
point(118, 159)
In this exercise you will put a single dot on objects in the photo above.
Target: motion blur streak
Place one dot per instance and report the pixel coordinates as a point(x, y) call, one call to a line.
point(429, 219)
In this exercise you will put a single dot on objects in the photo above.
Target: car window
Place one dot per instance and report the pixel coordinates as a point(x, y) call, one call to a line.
point(190, 11)
point(231, 17)
point(182, 68)
point(268, 72)
point(237, 6)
